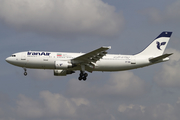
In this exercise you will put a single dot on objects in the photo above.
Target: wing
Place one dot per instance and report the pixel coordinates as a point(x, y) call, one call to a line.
point(92, 56)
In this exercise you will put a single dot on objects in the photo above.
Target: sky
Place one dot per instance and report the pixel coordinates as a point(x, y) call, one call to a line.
point(150, 93)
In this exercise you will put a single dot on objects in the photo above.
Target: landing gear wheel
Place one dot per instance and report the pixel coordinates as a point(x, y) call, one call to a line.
point(80, 78)
point(83, 76)
point(25, 73)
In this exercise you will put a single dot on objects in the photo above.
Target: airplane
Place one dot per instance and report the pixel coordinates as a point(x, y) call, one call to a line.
point(65, 63)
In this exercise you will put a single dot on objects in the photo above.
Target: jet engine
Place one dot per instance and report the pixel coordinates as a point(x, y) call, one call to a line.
point(63, 64)
point(62, 72)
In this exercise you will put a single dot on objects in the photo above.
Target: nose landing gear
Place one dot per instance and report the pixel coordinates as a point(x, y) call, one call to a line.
point(25, 73)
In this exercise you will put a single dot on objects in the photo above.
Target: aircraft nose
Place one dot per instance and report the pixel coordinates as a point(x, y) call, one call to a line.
point(8, 59)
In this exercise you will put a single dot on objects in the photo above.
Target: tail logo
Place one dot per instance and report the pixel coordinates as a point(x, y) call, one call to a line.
point(160, 44)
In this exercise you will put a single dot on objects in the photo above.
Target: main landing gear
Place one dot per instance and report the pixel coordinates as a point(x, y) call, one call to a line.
point(25, 73)
point(83, 76)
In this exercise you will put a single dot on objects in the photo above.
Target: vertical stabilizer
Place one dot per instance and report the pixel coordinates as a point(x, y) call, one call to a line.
point(157, 47)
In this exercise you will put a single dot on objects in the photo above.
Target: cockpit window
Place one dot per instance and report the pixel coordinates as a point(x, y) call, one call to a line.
point(13, 55)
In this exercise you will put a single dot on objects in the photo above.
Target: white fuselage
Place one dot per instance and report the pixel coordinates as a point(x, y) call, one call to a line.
point(64, 63)
point(46, 60)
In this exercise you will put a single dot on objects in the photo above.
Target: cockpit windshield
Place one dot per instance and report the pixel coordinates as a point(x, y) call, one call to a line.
point(13, 55)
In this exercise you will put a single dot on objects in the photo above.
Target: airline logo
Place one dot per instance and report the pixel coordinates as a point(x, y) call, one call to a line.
point(39, 53)
point(160, 44)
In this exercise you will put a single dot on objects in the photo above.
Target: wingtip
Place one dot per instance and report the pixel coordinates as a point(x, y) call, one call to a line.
point(109, 47)
point(171, 53)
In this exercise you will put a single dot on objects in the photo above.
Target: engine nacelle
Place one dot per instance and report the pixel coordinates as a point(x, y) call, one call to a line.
point(63, 64)
point(62, 72)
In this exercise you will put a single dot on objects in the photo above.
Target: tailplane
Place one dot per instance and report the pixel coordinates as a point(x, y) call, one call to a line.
point(157, 47)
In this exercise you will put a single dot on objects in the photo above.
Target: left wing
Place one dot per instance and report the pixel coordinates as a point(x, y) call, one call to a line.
point(92, 56)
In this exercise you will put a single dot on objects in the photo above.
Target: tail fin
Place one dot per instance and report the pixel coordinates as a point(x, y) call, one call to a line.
point(157, 47)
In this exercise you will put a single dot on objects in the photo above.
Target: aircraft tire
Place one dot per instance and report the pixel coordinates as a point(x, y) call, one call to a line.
point(84, 78)
point(80, 78)
point(25, 73)
point(85, 74)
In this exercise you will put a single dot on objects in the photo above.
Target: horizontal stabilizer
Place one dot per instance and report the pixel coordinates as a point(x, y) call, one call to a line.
point(159, 57)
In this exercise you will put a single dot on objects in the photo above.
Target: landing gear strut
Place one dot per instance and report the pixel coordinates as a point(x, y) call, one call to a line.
point(83, 76)
point(25, 73)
